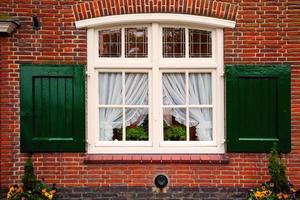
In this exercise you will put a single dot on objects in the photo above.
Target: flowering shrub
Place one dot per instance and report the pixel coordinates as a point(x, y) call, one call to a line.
point(268, 192)
point(17, 193)
point(278, 187)
point(32, 188)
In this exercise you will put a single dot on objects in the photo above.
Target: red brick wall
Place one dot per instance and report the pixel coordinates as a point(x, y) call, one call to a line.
point(266, 32)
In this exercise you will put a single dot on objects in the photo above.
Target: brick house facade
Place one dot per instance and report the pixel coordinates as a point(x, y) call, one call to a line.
point(266, 32)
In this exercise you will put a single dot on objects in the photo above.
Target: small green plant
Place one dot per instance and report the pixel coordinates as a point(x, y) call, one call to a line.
point(175, 133)
point(32, 189)
point(277, 171)
point(29, 179)
point(136, 133)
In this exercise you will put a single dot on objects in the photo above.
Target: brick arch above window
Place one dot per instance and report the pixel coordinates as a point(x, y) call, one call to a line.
point(208, 8)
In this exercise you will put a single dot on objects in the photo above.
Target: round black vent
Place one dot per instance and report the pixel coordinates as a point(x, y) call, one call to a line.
point(161, 181)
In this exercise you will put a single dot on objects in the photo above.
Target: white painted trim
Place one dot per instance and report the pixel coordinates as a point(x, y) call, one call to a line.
point(155, 65)
point(219, 115)
point(155, 17)
point(92, 95)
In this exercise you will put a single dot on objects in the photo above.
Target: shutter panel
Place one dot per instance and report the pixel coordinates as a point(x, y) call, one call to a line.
point(258, 108)
point(52, 108)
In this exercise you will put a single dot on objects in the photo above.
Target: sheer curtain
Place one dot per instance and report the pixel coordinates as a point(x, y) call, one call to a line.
point(199, 94)
point(136, 93)
point(174, 94)
point(110, 93)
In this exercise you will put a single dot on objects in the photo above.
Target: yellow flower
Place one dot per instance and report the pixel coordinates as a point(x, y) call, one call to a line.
point(268, 192)
point(49, 195)
point(10, 192)
point(11, 189)
point(8, 195)
point(43, 190)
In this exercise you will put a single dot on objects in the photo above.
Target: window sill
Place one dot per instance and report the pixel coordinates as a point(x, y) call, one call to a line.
point(156, 158)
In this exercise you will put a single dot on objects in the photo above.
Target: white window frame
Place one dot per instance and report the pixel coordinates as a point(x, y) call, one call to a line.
point(156, 65)
point(96, 136)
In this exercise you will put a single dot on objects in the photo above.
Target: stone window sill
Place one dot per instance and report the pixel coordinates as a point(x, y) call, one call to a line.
point(156, 158)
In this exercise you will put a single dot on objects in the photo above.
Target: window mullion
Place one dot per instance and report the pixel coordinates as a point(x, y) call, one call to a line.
point(156, 102)
point(123, 43)
point(123, 108)
point(187, 42)
point(187, 108)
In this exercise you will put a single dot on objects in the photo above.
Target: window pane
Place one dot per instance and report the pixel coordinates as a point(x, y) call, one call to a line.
point(200, 124)
point(110, 43)
point(173, 42)
point(174, 88)
point(136, 89)
point(200, 92)
point(199, 43)
point(174, 124)
point(110, 88)
point(136, 42)
point(111, 120)
point(137, 124)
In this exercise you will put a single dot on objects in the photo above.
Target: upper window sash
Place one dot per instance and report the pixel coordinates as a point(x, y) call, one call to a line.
point(122, 61)
point(187, 61)
point(147, 62)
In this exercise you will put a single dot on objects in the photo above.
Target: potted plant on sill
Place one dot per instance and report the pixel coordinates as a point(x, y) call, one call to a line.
point(174, 133)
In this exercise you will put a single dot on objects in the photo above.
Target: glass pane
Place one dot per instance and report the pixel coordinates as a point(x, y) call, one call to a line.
point(110, 43)
point(111, 123)
point(137, 124)
point(200, 124)
point(199, 43)
point(136, 89)
point(173, 42)
point(110, 88)
point(173, 88)
point(136, 40)
point(174, 124)
point(200, 92)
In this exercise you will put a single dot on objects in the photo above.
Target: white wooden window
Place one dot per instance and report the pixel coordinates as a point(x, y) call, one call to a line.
point(173, 42)
point(110, 43)
point(156, 57)
point(136, 42)
point(123, 106)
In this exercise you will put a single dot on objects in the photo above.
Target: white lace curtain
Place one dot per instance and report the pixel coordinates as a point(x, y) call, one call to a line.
point(136, 93)
point(110, 93)
point(199, 94)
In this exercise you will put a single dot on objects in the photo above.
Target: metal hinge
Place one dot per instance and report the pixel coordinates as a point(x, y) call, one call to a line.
point(88, 74)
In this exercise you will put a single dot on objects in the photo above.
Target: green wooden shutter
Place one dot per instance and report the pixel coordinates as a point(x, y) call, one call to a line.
point(258, 108)
point(52, 108)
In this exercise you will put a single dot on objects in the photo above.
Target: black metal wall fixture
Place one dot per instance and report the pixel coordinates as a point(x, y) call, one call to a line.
point(36, 25)
point(161, 181)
